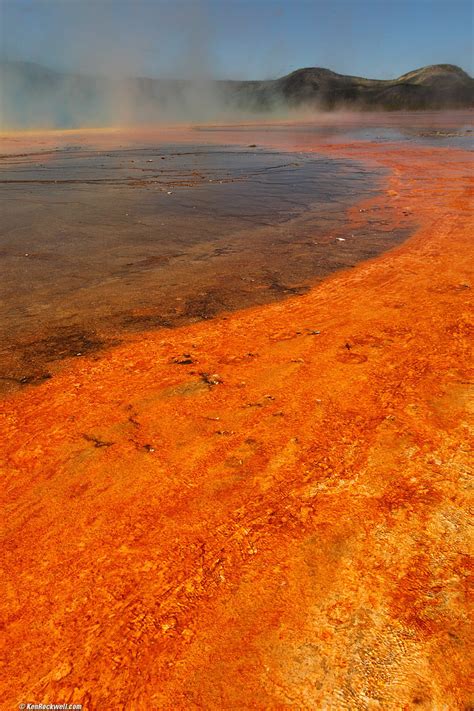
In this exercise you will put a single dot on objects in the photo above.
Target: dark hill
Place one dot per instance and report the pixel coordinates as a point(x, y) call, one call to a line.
point(436, 87)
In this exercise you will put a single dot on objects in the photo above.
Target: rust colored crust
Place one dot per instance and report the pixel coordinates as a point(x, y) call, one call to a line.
point(281, 523)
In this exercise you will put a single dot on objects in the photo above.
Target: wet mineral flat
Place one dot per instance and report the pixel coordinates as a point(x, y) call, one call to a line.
point(98, 243)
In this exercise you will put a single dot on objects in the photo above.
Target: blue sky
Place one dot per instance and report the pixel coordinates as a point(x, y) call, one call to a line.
point(238, 38)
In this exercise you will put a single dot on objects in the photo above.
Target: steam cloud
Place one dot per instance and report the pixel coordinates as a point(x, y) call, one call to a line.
point(101, 84)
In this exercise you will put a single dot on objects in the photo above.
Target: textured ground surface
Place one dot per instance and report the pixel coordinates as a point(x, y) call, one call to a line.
point(96, 245)
point(266, 510)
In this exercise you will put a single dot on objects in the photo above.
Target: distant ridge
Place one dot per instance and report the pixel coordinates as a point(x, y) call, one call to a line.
point(32, 95)
point(439, 86)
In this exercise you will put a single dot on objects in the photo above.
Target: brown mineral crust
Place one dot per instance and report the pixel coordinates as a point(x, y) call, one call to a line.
point(289, 531)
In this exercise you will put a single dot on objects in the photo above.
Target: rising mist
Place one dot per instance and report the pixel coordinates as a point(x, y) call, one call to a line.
point(164, 67)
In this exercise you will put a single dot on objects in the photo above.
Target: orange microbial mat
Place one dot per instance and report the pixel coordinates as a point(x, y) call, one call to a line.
point(265, 507)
